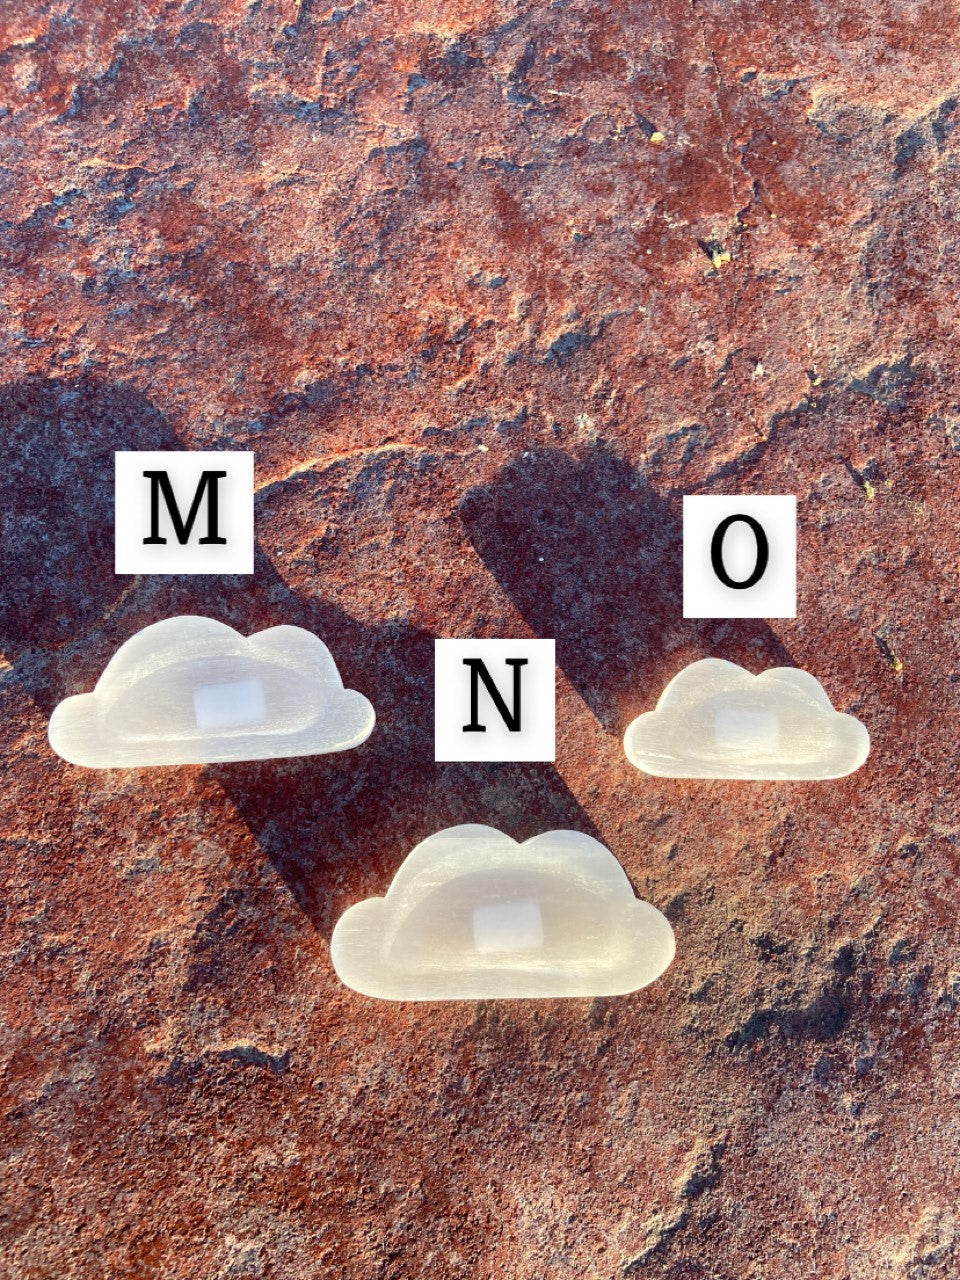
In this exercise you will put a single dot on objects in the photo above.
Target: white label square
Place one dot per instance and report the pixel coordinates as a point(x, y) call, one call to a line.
point(742, 729)
point(517, 722)
point(740, 557)
point(183, 512)
point(229, 706)
point(508, 926)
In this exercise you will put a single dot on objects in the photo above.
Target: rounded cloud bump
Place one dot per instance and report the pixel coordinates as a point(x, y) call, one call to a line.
point(473, 915)
point(190, 690)
point(716, 720)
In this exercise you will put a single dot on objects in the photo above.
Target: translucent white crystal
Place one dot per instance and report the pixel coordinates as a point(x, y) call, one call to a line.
point(716, 720)
point(472, 914)
point(191, 690)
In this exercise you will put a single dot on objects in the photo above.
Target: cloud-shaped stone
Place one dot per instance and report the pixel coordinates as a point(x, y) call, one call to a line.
point(716, 720)
point(473, 915)
point(193, 691)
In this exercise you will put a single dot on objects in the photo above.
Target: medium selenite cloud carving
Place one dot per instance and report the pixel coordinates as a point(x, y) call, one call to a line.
point(190, 690)
point(473, 915)
point(716, 720)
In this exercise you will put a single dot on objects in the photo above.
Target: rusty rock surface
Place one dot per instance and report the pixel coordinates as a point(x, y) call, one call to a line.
point(488, 287)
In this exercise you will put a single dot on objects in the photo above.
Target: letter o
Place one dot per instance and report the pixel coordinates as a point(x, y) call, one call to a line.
point(716, 552)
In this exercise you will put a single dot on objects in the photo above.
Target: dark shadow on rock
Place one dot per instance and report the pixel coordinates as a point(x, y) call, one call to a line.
point(348, 818)
point(337, 827)
point(591, 555)
point(64, 610)
point(56, 497)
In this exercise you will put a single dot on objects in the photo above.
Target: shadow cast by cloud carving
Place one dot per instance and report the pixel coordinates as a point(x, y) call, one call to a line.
point(590, 554)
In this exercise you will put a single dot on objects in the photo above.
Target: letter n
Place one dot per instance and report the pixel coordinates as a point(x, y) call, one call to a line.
point(478, 673)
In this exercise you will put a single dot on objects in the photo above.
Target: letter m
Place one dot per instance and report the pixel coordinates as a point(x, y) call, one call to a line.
point(160, 486)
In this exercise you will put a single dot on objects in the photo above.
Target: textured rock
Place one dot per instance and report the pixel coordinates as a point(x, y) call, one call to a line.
point(487, 288)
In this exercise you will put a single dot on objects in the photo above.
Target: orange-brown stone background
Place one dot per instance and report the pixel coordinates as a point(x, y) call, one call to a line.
point(434, 263)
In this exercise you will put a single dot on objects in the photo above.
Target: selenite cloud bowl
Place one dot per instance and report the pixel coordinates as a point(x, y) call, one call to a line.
point(190, 690)
point(716, 720)
point(472, 914)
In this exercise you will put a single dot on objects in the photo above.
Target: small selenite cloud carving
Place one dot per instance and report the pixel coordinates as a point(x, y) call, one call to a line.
point(716, 720)
point(190, 690)
point(472, 914)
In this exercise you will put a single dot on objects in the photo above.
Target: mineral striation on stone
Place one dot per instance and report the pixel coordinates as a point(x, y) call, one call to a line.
point(472, 915)
point(190, 690)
